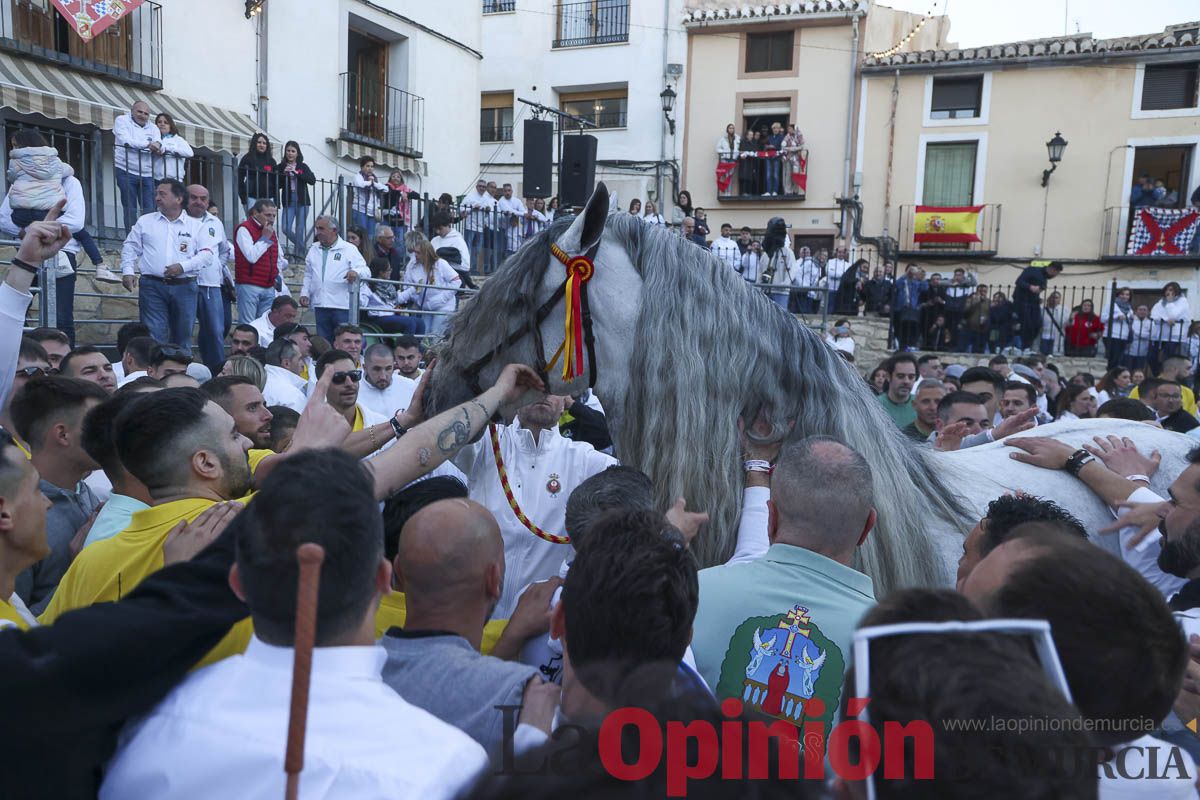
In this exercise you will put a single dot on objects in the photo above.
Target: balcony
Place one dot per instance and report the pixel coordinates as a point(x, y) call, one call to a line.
point(759, 177)
point(1149, 233)
point(922, 235)
point(592, 22)
point(129, 51)
point(380, 115)
point(495, 133)
point(499, 6)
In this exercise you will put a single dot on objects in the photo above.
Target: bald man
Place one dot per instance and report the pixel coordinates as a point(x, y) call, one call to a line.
point(450, 566)
point(212, 308)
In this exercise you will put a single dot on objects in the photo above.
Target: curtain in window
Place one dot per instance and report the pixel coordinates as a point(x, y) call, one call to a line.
point(949, 174)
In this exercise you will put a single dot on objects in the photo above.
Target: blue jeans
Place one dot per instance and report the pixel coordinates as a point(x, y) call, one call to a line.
point(253, 301)
point(328, 319)
point(211, 310)
point(135, 191)
point(169, 310)
point(772, 166)
point(367, 223)
point(475, 242)
point(295, 225)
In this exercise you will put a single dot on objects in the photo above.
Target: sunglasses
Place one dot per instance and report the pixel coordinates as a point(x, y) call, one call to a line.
point(31, 372)
point(353, 374)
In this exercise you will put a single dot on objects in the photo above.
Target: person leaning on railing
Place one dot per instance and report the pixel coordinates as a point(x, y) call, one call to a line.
point(134, 141)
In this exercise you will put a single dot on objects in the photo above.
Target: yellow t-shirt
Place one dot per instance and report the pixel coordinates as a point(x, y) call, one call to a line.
point(1189, 398)
point(358, 420)
point(11, 618)
point(392, 613)
point(109, 569)
point(255, 456)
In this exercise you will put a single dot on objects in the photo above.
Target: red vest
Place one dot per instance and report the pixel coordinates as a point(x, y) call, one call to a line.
point(255, 273)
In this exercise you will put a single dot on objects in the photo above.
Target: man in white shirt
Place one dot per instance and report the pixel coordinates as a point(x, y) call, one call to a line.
point(210, 236)
point(285, 386)
point(512, 212)
point(331, 266)
point(383, 390)
point(258, 261)
point(136, 139)
point(408, 356)
point(447, 236)
point(807, 273)
point(542, 469)
point(283, 310)
point(726, 249)
point(754, 261)
point(837, 267)
point(223, 731)
point(162, 247)
point(478, 206)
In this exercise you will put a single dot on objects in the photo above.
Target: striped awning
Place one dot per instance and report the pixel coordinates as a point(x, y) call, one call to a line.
point(382, 157)
point(34, 88)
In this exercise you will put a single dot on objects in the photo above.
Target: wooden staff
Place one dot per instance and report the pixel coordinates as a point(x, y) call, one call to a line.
point(310, 557)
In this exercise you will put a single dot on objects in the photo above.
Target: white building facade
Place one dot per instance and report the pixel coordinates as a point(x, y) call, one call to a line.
point(608, 61)
point(389, 79)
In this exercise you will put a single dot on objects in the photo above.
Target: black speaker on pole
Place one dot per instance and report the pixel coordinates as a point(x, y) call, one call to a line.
point(577, 176)
point(537, 174)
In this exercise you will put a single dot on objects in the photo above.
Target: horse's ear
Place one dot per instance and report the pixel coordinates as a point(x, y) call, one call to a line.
point(588, 227)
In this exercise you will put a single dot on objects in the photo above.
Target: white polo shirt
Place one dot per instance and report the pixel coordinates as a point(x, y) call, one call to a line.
point(155, 242)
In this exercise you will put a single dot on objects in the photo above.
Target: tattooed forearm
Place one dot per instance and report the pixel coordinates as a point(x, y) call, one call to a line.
point(486, 414)
point(423, 456)
point(455, 435)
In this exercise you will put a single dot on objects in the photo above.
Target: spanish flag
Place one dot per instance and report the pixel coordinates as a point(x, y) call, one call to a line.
point(946, 224)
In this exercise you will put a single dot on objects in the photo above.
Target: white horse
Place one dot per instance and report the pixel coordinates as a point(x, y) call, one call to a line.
point(683, 349)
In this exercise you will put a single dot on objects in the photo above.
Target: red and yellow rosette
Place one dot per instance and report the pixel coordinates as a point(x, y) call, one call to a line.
point(579, 271)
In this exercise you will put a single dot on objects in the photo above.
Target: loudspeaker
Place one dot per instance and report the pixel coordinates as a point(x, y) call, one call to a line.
point(577, 176)
point(537, 173)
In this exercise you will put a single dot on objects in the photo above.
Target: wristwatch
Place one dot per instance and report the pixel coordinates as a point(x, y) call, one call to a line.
point(1077, 461)
point(397, 428)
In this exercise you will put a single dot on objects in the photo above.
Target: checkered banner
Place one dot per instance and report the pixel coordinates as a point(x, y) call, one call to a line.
point(90, 17)
point(1163, 231)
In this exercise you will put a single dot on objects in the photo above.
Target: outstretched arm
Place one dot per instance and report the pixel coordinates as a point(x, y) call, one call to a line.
point(430, 444)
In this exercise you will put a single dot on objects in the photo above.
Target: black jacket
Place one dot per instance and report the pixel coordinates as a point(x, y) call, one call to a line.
point(304, 179)
point(68, 687)
point(258, 178)
point(1029, 277)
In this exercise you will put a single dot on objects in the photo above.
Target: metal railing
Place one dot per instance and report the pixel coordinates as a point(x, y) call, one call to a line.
point(495, 133)
point(1159, 233)
point(759, 176)
point(986, 234)
point(592, 22)
point(379, 114)
point(498, 6)
point(129, 50)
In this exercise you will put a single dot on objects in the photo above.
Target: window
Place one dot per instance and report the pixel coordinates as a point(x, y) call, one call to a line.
point(761, 114)
point(592, 22)
point(949, 173)
point(769, 52)
point(498, 6)
point(496, 117)
point(1170, 86)
point(956, 98)
point(605, 108)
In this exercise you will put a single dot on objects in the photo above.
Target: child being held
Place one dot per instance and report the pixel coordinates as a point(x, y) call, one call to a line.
point(35, 176)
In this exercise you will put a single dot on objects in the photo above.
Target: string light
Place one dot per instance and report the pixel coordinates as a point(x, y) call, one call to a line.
point(891, 51)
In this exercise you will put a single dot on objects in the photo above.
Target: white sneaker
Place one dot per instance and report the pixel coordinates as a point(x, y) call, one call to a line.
point(106, 275)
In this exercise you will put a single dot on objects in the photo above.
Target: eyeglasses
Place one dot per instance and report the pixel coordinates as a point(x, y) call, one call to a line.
point(31, 372)
point(353, 374)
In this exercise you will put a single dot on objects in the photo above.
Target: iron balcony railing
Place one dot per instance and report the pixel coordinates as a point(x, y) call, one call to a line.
point(130, 50)
point(763, 176)
point(592, 22)
point(498, 6)
point(1151, 233)
point(495, 133)
point(918, 235)
point(378, 114)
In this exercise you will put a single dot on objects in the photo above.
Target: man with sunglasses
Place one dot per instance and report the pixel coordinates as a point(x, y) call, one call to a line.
point(32, 362)
point(343, 394)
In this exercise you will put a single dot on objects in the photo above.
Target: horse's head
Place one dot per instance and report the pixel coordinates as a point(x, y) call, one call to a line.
point(519, 314)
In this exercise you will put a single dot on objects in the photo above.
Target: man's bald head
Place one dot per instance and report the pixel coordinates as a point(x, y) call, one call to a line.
point(450, 552)
point(812, 477)
point(197, 200)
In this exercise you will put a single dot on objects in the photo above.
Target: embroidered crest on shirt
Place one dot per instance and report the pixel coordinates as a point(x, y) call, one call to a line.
point(552, 485)
point(212, 231)
point(779, 664)
point(337, 256)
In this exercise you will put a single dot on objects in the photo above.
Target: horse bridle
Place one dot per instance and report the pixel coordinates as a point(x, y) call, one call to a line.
point(581, 268)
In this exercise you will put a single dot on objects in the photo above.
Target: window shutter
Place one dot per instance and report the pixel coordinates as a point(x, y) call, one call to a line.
point(1169, 86)
point(955, 94)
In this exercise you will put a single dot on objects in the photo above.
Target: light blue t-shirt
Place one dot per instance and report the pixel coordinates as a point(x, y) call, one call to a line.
point(113, 518)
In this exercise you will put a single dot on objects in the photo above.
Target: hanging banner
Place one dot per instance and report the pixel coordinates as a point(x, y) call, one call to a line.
point(1163, 231)
point(89, 18)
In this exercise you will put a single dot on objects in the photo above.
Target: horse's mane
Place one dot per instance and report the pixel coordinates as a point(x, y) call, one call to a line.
point(709, 349)
point(730, 352)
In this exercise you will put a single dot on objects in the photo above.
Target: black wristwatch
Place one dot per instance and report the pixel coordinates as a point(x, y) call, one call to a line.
point(1077, 461)
point(25, 265)
point(397, 428)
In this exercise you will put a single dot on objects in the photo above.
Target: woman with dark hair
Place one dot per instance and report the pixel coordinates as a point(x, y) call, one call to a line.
point(294, 179)
point(749, 173)
point(397, 206)
point(635, 207)
point(1076, 402)
point(727, 154)
point(257, 179)
point(170, 160)
point(1084, 330)
point(851, 291)
point(1117, 382)
point(1172, 317)
point(683, 207)
point(358, 238)
point(552, 208)
point(879, 379)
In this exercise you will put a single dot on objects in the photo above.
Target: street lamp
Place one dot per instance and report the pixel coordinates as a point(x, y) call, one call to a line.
point(1054, 148)
point(667, 96)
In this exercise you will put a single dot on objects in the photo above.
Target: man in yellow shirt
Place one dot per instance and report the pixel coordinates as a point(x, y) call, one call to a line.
point(23, 540)
point(1179, 370)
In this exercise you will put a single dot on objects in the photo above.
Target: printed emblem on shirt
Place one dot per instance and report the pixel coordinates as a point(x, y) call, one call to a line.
point(183, 247)
point(552, 485)
point(337, 256)
point(779, 664)
point(212, 231)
